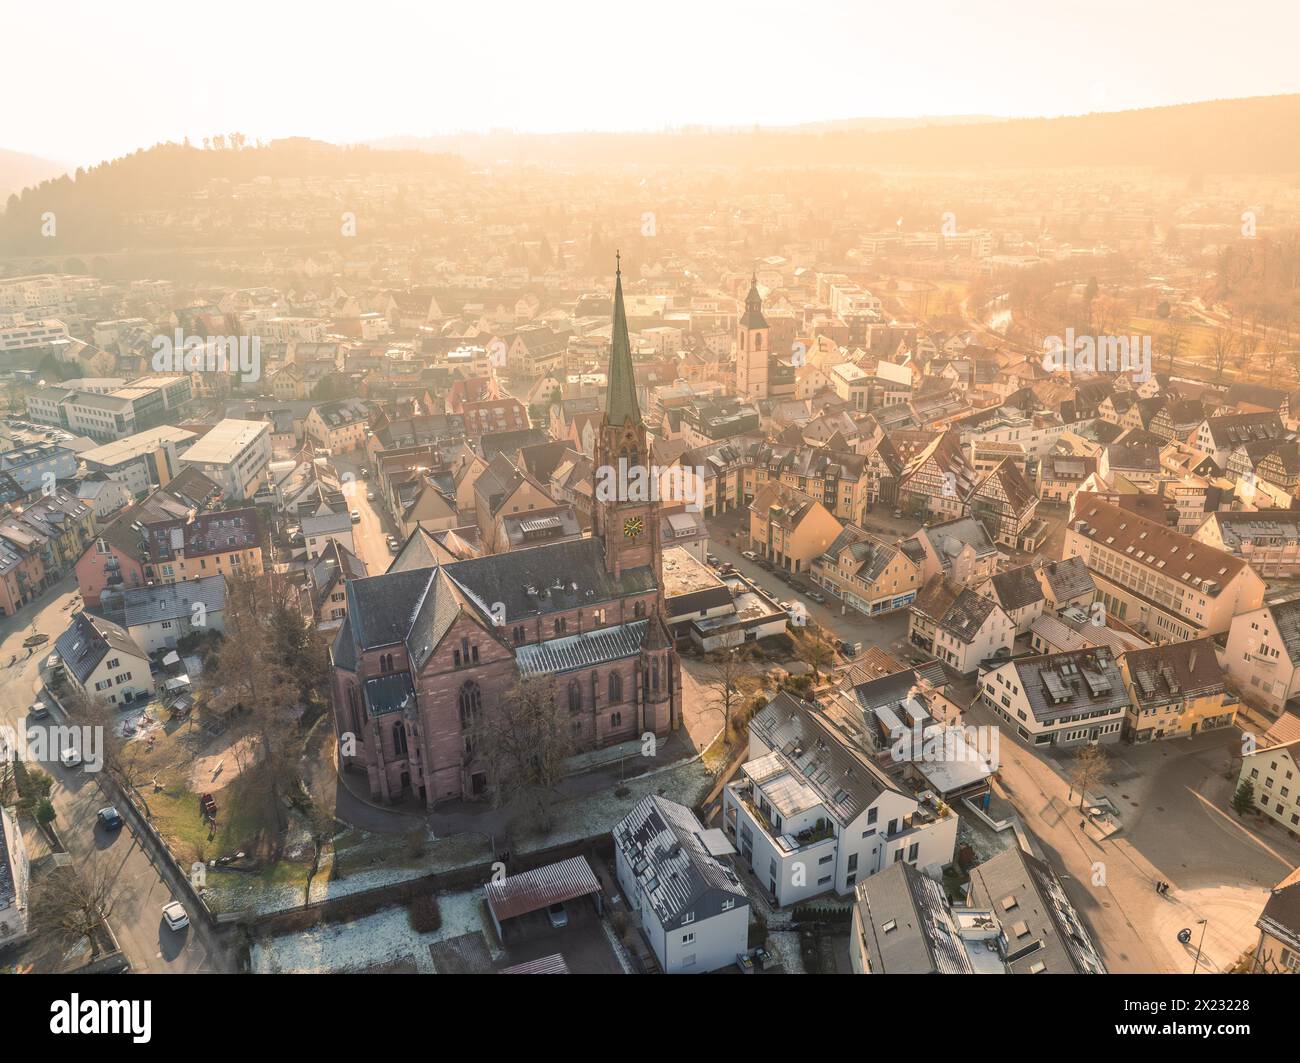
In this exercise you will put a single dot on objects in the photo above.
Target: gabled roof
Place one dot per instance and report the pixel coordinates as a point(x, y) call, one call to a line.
point(1044, 933)
point(663, 845)
point(907, 925)
point(88, 640)
point(1017, 587)
point(173, 601)
point(1174, 671)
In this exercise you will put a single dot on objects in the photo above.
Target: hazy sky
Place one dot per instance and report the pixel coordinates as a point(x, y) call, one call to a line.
point(89, 80)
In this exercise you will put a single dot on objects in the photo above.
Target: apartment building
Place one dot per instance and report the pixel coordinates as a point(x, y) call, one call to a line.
point(338, 427)
point(1157, 580)
point(1273, 771)
point(812, 814)
point(1176, 690)
point(234, 455)
point(867, 573)
point(1059, 699)
point(38, 466)
point(142, 461)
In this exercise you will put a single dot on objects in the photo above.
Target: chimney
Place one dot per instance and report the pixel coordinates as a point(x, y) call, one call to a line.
point(1191, 662)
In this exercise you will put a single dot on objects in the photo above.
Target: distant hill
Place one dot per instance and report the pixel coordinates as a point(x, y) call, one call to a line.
point(17, 171)
point(94, 207)
point(1255, 135)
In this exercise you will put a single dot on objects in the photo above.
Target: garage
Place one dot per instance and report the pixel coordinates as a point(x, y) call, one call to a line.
point(538, 899)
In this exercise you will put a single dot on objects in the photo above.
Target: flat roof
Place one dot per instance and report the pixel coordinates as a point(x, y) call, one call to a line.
point(226, 441)
point(131, 447)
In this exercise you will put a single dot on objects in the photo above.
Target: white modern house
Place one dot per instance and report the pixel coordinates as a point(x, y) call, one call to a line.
point(234, 455)
point(1273, 771)
point(692, 908)
point(103, 661)
point(810, 814)
point(158, 617)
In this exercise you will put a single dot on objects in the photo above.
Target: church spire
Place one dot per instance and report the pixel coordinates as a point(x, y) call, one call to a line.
point(620, 400)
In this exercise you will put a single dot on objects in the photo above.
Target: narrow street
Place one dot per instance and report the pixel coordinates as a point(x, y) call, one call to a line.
point(141, 890)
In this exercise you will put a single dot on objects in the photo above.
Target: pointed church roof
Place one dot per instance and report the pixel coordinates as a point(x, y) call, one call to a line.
point(620, 402)
point(753, 307)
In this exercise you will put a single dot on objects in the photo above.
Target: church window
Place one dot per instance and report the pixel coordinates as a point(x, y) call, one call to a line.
point(575, 696)
point(615, 687)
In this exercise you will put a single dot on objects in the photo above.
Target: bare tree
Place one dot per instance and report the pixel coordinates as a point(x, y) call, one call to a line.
point(74, 903)
point(1221, 348)
point(814, 649)
point(724, 686)
point(1172, 340)
point(1089, 768)
point(523, 743)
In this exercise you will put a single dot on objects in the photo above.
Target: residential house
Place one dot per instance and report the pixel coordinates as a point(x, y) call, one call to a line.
point(102, 661)
point(1272, 768)
point(1175, 690)
point(867, 573)
point(959, 626)
point(790, 529)
point(678, 882)
point(1060, 699)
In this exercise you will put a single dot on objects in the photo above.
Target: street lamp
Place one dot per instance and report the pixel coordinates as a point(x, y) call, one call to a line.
point(1197, 962)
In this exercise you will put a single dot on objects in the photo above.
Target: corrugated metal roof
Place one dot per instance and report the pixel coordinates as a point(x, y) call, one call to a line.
point(581, 651)
point(541, 887)
point(554, 964)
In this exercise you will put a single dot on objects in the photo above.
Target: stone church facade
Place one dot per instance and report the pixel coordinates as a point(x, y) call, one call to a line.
point(425, 649)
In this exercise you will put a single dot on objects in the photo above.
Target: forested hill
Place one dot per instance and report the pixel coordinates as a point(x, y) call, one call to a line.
point(101, 208)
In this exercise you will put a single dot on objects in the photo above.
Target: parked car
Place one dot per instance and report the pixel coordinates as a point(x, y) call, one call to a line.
point(749, 555)
point(356, 516)
point(109, 818)
point(558, 916)
point(850, 649)
point(176, 916)
point(69, 758)
point(784, 576)
point(370, 496)
point(817, 597)
point(713, 560)
point(766, 565)
point(39, 709)
point(727, 568)
point(39, 639)
point(365, 473)
point(393, 545)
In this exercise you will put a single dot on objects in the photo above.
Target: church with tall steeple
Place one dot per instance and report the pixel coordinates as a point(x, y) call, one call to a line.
point(426, 650)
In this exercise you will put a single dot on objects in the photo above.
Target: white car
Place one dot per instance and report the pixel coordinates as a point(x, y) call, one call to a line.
point(749, 555)
point(39, 709)
point(175, 915)
point(356, 516)
point(69, 758)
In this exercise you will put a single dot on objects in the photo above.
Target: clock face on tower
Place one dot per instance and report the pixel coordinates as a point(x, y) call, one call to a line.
point(633, 526)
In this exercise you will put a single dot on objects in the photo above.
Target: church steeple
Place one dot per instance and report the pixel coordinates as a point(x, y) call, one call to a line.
point(753, 318)
point(621, 406)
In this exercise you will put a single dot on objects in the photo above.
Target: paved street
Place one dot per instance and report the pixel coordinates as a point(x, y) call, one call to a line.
point(141, 890)
point(369, 537)
point(1176, 827)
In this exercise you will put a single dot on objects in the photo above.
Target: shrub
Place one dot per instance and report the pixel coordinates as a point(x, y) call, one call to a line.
point(424, 914)
point(44, 812)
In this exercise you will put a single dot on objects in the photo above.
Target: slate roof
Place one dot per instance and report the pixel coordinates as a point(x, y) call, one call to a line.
point(1040, 924)
point(508, 578)
point(575, 652)
point(661, 842)
point(907, 925)
point(415, 608)
point(1175, 671)
point(385, 694)
point(1281, 915)
point(88, 640)
point(845, 781)
point(1017, 587)
point(1066, 684)
point(1068, 579)
point(172, 601)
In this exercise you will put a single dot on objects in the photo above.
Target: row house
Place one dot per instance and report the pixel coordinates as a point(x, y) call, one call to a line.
point(866, 573)
point(959, 549)
point(959, 626)
point(1175, 587)
point(1061, 475)
point(340, 426)
point(1176, 690)
point(1267, 540)
point(938, 481)
point(39, 544)
point(1218, 437)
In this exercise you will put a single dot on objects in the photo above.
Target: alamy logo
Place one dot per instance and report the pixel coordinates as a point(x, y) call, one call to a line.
point(654, 483)
point(946, 745)
point(79, 1016)
point(39, 745)
point(1098, 354)
point(180, 353)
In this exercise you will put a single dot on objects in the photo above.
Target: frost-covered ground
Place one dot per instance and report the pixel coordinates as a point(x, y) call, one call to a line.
point(376, 940)
point(784, 944)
